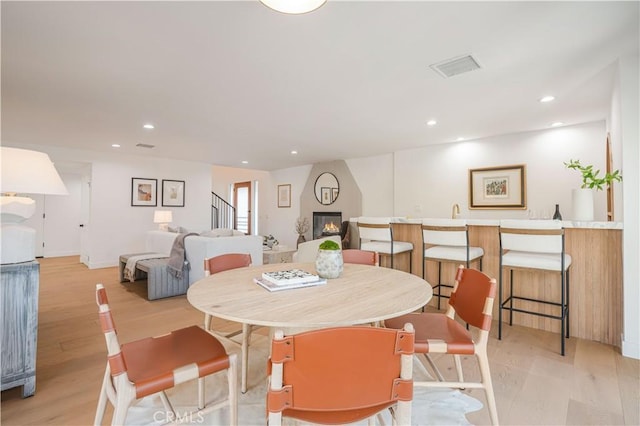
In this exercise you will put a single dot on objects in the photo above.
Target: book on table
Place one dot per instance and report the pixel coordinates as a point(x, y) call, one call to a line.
point(278, 287)
point(288, 279)
point(289, 276)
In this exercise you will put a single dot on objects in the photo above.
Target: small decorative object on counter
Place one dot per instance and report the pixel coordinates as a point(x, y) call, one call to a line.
point(329, 263)
point(270, 241)
point(302, 226)
point(557, 215)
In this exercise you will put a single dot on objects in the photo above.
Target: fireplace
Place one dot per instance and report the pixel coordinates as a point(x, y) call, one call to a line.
point(326, 224)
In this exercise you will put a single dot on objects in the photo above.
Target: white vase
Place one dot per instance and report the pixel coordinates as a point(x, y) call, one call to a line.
point(582, 204)
point(329, 263)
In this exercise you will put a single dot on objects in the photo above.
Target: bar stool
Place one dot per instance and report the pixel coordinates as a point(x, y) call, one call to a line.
point(376, 235)
point(529, 245)
point(447, 240)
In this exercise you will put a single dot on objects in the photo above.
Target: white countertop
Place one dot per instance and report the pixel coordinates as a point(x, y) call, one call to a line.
point(496, 222)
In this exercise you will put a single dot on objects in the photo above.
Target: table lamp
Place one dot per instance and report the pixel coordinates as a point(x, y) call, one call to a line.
point(163, 218)
point(23, 172)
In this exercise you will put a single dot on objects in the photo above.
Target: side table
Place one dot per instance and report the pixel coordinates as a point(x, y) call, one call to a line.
point(277, 256)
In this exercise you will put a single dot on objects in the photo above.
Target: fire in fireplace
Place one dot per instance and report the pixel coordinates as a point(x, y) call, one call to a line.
point(326, 224)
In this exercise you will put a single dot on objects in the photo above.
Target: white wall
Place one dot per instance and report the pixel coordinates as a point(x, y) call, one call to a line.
point(625, 138)
point(429, 180)
point(374, 176)
point(281, 221)
point(115, 226)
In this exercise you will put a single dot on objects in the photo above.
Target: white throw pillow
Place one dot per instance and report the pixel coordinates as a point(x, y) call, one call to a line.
point(219, 232)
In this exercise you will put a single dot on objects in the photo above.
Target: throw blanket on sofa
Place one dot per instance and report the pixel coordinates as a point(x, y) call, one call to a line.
point(177, 256)
point(130, 267)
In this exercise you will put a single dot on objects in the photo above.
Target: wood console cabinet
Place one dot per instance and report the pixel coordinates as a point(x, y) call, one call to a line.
point(20, 286)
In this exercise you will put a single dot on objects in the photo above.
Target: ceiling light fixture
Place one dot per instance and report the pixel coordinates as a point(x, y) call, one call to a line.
point(293, 7)
point(149, 126)
point(115, 145)
point(432, 123)
point(460, 139)
point(557, 124)
point(294, 152)
point(547, 98)
point(244, 162)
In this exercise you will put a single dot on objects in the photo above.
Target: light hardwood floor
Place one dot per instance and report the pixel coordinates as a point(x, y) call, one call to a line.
point(592, 385)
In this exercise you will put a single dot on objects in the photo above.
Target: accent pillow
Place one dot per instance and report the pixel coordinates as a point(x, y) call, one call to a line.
point(218, 232)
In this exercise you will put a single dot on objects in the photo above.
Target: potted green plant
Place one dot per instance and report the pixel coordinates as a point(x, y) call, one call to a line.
point(329, 263)
point(591, 180)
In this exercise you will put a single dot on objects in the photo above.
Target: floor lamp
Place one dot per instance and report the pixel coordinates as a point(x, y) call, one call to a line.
point(23, 172)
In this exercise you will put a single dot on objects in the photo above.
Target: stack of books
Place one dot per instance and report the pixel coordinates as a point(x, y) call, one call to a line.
point(288, 279)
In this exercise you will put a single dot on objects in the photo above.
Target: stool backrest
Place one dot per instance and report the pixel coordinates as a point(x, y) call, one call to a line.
point(374, 228)
point(536, 236)
point(445, 232)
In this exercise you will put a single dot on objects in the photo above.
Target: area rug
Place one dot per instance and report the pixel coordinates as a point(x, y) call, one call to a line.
point(430, 406)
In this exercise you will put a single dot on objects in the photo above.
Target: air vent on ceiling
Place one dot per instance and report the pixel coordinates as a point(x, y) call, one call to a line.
point(145, 145)
point(456, 66)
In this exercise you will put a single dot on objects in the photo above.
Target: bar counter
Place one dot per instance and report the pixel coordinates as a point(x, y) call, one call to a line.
point(595, 290)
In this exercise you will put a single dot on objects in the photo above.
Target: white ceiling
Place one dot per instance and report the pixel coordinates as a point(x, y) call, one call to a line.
point(227, 81)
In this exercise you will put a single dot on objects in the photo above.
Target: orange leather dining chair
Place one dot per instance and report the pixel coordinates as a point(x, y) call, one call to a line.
point(153, 365)
point(363, 257)
point(341, 375)
point(225, 262)
point(472, 301)
point(221, 263)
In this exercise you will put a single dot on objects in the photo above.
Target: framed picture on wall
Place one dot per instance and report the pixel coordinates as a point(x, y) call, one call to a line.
point(497, 188)
point(144, 192)
point(284, 195)
point(172, 193)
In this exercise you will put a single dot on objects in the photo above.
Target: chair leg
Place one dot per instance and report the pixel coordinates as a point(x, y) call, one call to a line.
point(232, 379)
point(246, 330)
point(458, 363)
point(102, 399)
point(567, 303)
point(200, 393)
point(500, 300)
point(124, 398)
point(439, 283)
point(485, 373)
point(511, 297)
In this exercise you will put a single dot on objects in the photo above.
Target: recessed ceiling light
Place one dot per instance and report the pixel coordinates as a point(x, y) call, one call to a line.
point(557, 124)
point(432, 123)
point(460, 139)
point(115, 145)
point(245, 162)
point(547, 98)
point(149, 126)
point(294, 152)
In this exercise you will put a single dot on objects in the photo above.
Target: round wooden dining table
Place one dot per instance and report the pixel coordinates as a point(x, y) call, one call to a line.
point(360, 295)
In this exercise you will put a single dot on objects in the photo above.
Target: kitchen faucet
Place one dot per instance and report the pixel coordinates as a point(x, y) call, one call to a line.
point(455, 211)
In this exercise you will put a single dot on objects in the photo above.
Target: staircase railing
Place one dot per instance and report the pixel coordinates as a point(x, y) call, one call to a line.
point(223, 214)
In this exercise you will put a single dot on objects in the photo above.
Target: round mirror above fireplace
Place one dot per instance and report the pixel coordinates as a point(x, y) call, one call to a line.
point(327, 188)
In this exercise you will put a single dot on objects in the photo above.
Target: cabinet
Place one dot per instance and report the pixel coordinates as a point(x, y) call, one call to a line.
point(19, 298)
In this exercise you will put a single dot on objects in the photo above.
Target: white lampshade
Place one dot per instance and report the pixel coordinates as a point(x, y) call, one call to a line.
point(29, 172)
point(163, 217)
point(293, 6)
point(23, 172)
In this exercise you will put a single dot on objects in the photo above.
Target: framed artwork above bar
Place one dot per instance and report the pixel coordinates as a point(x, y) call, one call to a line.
point(498, 187)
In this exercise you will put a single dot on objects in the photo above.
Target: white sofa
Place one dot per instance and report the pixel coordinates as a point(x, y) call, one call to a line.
point(198, 248)
point(308, 251)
